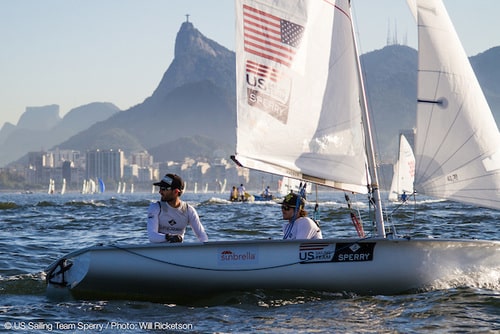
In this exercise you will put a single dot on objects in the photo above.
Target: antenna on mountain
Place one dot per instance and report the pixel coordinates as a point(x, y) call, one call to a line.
point(388, 41)
point(395, 37)
point(187, 17)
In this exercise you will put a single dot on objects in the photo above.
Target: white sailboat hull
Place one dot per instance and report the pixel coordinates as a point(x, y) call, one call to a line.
point(169, 272)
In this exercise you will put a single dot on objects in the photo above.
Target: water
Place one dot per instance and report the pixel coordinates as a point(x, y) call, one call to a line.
point(39, 228)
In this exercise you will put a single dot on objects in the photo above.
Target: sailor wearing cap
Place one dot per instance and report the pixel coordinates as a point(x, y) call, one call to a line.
point(299, 226)
point(169, 217)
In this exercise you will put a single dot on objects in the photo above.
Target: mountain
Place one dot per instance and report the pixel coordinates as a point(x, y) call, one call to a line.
point(195, 146)
point(391, 88)
point(39, 118)
point(487, 68)
point(40, 128)
point(6, 130)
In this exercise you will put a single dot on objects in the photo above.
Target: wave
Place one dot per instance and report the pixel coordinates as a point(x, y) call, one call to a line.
point(217, 200)
point(8, 205)
point(93, 203)
point(23, 284)
point(482, 278)
point(46, 203)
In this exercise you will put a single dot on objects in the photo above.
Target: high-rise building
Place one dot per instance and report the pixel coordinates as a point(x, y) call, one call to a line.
point(104, 164)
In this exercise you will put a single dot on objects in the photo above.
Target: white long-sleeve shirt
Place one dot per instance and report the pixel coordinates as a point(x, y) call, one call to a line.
point(164, 219)
point(302, 228)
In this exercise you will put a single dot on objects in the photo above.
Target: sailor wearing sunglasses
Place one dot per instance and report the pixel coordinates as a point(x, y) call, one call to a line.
point(299, 226)
point(169, 217)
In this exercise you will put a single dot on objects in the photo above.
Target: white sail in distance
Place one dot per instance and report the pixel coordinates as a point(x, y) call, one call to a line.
point(404, 170)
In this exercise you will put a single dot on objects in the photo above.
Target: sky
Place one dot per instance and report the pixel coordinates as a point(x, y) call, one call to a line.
point(75, 52)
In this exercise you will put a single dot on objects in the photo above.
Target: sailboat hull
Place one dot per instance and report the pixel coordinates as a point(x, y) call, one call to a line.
point(169, 272)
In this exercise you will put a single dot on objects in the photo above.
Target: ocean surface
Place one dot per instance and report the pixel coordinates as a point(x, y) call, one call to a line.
point(37, 229)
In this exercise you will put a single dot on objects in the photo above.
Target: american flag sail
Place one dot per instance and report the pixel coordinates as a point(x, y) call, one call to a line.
point(270, 36)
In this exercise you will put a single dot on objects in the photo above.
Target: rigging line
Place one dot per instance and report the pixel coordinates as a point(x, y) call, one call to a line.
point(200, 268)
point(316, 207)
point(414, 211)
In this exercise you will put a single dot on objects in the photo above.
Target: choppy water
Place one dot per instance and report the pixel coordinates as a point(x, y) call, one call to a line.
point(39, 228)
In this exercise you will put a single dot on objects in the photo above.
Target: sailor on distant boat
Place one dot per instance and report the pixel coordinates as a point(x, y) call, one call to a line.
point(234, 194)
point(299, 226)
point(168, 218)
point(241, 192)
point(267, 193)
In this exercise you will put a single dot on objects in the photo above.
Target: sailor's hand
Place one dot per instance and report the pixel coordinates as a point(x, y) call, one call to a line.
point(173, 238)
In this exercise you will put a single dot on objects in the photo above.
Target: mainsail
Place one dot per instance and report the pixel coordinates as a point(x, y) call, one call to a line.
point(457, 148)
point(299, 101)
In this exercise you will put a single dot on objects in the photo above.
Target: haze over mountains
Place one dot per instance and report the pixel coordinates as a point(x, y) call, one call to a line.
point(192, 112)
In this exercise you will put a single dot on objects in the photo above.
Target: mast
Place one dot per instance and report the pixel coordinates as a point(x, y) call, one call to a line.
point(372, 163)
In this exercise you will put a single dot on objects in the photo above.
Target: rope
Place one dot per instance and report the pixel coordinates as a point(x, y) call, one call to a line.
point(316, 207)
point(199, 268)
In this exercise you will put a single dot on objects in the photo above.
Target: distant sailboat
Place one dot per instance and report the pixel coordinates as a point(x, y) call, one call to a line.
point(52, 186)
point(92, 187)
point(84, 187)
point(63, 187)
point(404, 171)
point(102, 187)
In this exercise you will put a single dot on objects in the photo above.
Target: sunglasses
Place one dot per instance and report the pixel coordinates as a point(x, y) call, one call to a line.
point(165, 189)
point(286, 207)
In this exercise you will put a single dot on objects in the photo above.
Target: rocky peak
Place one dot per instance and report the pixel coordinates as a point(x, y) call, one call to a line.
point(189, 40)
point(40, 118)
point(197, 58)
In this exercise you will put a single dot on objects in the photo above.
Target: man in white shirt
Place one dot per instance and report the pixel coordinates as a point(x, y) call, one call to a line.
point(169, 217)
